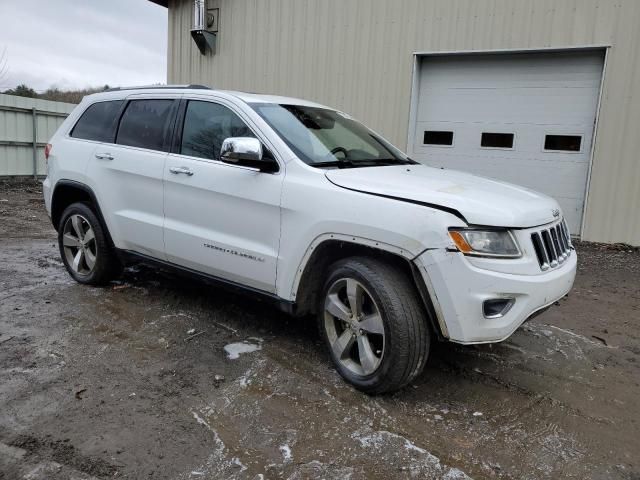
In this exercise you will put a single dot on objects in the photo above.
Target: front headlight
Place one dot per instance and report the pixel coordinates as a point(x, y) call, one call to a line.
point(486, 243)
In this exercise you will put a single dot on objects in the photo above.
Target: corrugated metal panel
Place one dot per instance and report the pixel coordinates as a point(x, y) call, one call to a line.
point(356, 55)
point(17, 126)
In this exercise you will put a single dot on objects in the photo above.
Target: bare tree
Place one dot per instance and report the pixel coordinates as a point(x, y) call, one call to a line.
point(4, 65)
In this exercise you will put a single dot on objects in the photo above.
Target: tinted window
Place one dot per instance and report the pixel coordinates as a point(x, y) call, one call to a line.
point(98, 122)
point(145, 124)
point(206, 126)
point(435, 137)
point(497, 140)
point(568, 143)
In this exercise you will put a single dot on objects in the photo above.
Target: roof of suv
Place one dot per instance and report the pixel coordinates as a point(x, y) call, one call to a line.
point(203, 90)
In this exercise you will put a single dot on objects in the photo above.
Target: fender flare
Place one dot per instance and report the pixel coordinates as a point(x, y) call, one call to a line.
point(89, 191)
point(353, 239)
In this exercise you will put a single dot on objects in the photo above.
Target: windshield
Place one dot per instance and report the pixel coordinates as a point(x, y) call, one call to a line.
point(326, 138)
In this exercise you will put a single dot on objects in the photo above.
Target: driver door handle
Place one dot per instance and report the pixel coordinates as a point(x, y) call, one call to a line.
point(104, 156)
point(178, 170)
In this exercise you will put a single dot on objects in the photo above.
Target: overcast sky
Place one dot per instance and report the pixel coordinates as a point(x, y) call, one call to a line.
point(83, 43)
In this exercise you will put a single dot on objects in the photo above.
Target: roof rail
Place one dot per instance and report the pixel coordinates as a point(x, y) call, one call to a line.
point(159, 87)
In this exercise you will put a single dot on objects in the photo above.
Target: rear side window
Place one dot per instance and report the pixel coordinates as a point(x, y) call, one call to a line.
point(98, 122)
point(145, 124)
point(206, 126)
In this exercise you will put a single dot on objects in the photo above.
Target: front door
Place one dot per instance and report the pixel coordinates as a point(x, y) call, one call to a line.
point(220, 219)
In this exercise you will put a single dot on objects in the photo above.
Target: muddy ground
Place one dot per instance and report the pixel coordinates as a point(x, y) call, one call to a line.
point(108, 382)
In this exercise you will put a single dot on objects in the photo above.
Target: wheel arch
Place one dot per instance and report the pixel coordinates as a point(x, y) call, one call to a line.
point(67, 192)
point(330, 248)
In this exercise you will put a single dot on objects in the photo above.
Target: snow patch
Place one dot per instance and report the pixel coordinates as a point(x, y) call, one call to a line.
point(418, 461)
point(286, 452)
point(234, 350)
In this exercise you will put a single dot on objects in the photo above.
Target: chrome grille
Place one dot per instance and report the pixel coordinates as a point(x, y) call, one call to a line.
point(552, 245)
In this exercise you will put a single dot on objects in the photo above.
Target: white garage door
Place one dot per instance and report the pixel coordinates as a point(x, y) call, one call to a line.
point(523, 118)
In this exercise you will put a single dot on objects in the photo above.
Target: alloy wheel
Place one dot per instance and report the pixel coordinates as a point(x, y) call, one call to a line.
point(79, 244)
point(354, 326)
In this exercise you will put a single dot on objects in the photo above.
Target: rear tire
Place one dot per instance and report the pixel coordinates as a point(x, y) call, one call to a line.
point(383, 344)
point(84, 248)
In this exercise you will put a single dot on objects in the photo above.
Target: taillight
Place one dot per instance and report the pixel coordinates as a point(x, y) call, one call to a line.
point(47, 151)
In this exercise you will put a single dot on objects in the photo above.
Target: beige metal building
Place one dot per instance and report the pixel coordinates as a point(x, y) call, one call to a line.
point(544, 93)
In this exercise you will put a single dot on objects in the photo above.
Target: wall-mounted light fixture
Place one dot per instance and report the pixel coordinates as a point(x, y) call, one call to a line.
point(205, 27)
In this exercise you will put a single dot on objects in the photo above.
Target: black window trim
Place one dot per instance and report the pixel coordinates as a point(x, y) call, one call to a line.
point(166, 141)
point(552, 134)
point(115, 123)
point(179, 128)
point(513, 143)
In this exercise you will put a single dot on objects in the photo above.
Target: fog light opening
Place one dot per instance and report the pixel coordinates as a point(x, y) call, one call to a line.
point(497, 307)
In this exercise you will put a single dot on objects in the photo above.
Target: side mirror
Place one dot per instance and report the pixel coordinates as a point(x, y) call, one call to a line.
point(247, 151)
point(241, 148)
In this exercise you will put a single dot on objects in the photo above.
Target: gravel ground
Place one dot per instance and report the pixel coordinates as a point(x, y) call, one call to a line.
point(133, 381)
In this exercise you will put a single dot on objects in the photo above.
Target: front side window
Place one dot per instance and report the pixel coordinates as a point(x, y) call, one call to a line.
point(325, 138)
point(98, 122)
point(145, 124)
point(206, 126)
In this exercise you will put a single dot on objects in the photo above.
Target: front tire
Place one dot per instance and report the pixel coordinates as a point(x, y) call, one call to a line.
point(84, 247)
point(374, 325)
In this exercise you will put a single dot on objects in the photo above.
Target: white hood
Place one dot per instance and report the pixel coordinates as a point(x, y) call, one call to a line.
point(481, 201)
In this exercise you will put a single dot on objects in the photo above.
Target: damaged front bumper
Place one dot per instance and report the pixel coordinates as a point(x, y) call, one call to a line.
point(459, 288)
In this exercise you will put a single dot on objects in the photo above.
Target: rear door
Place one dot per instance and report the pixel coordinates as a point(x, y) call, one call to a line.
point(129, 174)
point(220, 219)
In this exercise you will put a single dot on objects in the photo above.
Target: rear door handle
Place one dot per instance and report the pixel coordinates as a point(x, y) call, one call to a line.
point(178, 170)
point(104, 156)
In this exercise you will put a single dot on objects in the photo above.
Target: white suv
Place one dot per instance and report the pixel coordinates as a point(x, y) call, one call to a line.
point(303, 205)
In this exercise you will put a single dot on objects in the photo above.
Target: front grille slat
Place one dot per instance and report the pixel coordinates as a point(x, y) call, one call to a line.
point(556, 245)
point(552, 245)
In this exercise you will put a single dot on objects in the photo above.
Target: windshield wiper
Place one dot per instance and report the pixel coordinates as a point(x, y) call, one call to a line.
point(361, 163)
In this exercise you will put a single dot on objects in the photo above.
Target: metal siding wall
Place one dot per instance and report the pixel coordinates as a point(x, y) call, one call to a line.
point(18, 127)
point(356, 55)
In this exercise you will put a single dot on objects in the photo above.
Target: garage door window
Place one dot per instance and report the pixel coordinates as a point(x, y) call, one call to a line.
point(497, 140)
point(563, 143)
point(439, 138)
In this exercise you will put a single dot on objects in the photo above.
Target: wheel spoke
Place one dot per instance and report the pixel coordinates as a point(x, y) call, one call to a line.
point(372, 324)
point(342, 345)
point(90, 259)
point(89, 236)
point(69, 240)
point(368, 360)
point(77, 260)
point(76, 222)
point(354, 293)
point(335, 307)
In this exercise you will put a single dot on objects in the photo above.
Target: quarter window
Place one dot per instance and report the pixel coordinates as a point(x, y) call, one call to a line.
point(436, 137)
point(145, 124)
point(98, 122)
point(496, 140)
point(567, 143)
point(206, 126)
